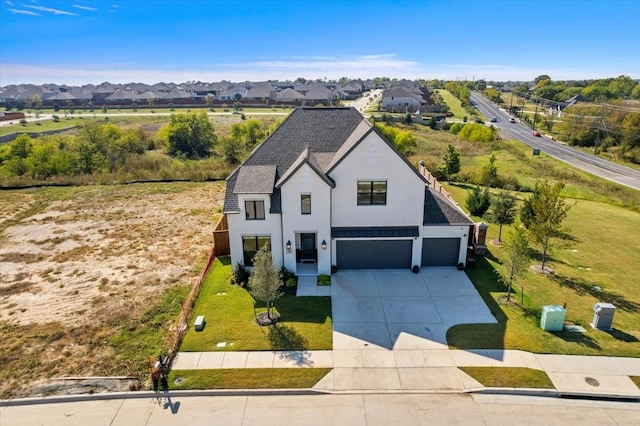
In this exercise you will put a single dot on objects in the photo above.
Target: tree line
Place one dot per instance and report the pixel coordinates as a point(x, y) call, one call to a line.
point(183, 148)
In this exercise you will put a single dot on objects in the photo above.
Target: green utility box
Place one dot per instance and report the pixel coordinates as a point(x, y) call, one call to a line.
point(552, 318)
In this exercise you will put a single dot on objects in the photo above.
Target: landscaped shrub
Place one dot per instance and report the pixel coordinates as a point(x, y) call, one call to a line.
point(291, 282)
point(286, 274)
point(478, 201)
point(324, 280)
point(456, 127)
point(240, 275)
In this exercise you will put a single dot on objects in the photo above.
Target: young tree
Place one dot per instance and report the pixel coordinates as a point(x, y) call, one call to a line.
point(488, 173)
point(451, 163)
point(265, 280)
point(503, 210)
point(549, 210)
point(515, 258)
point(478, 201)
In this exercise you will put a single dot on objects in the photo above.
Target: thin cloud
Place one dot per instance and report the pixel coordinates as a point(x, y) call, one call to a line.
point(9, 3)
point(34, 74)
point(49, 9)
point(78, 6)
point(23, 12)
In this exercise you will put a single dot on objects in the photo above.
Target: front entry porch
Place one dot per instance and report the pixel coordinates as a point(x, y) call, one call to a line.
point(307, 269)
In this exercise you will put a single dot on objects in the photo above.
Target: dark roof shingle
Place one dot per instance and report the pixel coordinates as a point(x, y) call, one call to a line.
point(321, 130)
point(439, 210)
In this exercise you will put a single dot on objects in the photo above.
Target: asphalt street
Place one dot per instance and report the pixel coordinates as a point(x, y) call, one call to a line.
point(589, 163)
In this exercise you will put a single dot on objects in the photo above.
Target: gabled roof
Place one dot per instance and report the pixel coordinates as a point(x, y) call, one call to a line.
point(255, 179)
point(320, 130)
point(289, 93)
point(439, 210)
point(306, 157)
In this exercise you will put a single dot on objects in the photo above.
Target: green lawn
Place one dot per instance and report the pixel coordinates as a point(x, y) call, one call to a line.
point(509, 377)
point(601, 250)
point(247, 378)
point(230, 317)
point(455, 107)
point(636, 380)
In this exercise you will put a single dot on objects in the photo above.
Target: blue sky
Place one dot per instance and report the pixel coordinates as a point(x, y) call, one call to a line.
point(91, 41)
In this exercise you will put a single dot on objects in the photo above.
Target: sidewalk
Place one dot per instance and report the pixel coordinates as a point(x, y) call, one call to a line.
point(432, 369)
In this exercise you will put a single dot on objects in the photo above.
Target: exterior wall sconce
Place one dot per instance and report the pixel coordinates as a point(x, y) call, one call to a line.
point(288, 245)
point(324, 245)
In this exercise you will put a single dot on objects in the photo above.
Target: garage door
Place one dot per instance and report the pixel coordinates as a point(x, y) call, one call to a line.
point(374, 254)
point(440, 251)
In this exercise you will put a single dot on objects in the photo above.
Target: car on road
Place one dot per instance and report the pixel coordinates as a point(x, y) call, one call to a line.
point(494, 119)
point(536, 133)
point(512, 120)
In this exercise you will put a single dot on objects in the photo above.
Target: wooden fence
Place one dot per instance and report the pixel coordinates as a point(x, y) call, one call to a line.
point(433, 183)
point(175, 336)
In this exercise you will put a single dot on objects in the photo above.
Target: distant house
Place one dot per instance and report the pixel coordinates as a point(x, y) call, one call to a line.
point(400, 99)
point(326, 188)
point(320, 94)
point(289, 95)
point(260, 92)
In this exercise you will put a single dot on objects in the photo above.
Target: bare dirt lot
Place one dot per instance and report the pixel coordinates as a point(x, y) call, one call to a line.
point(80, 266)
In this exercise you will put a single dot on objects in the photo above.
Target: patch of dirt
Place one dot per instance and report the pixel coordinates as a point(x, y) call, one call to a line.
point(538, 269)
point(103, 242)
point(77, 262)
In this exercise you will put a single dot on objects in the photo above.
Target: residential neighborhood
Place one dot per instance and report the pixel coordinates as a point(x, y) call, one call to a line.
point(319, 213)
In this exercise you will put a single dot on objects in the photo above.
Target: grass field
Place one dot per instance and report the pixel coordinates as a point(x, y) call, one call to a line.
point(229, 311)
point(455, 107)
point(601, 251)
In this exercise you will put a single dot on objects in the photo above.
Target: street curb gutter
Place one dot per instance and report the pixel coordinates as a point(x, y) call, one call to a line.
point(149, 394)
point(548, 393)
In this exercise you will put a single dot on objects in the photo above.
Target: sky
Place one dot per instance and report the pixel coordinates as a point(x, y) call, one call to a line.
point(77, 42)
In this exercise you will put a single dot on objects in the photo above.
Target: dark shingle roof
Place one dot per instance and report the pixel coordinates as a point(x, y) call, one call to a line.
point(255, 179)
point(439, 210)
point(322, 130)
point(375, 232)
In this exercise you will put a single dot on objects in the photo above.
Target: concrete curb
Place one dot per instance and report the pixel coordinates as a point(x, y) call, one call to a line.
point(547, 393)
point(149, 394)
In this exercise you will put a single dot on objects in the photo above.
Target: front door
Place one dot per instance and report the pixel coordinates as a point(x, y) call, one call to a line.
point(308, 247)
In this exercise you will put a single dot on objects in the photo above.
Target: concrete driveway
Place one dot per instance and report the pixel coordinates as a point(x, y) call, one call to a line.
point(402, 310)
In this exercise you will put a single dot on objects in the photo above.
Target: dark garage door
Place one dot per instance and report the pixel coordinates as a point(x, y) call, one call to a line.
point(374, 254)
point(440, 251)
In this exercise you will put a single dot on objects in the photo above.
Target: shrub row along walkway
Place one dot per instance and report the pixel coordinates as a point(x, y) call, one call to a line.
point(431, 369)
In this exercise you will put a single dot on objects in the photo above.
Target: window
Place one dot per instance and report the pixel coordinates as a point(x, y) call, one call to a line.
point(251, 245)
point(254, 210)
point(305, 203)
point(372, 193)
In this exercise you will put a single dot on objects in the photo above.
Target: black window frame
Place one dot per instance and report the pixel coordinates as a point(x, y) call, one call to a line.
point(250, 209)
point(302, 203)
point(250, 246)
point(370, 196)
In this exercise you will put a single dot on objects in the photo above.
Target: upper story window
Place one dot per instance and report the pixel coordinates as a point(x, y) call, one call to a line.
point(372, 193)
point(254, 210)
point(305, 204)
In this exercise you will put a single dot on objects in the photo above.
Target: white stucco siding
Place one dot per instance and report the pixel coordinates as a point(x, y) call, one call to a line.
point(453, 231)
point(374, 160)
point(400, 101)
point(306, 181)
point(239, 226)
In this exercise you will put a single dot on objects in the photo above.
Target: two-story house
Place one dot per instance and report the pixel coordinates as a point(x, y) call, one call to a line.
point(327, 189)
